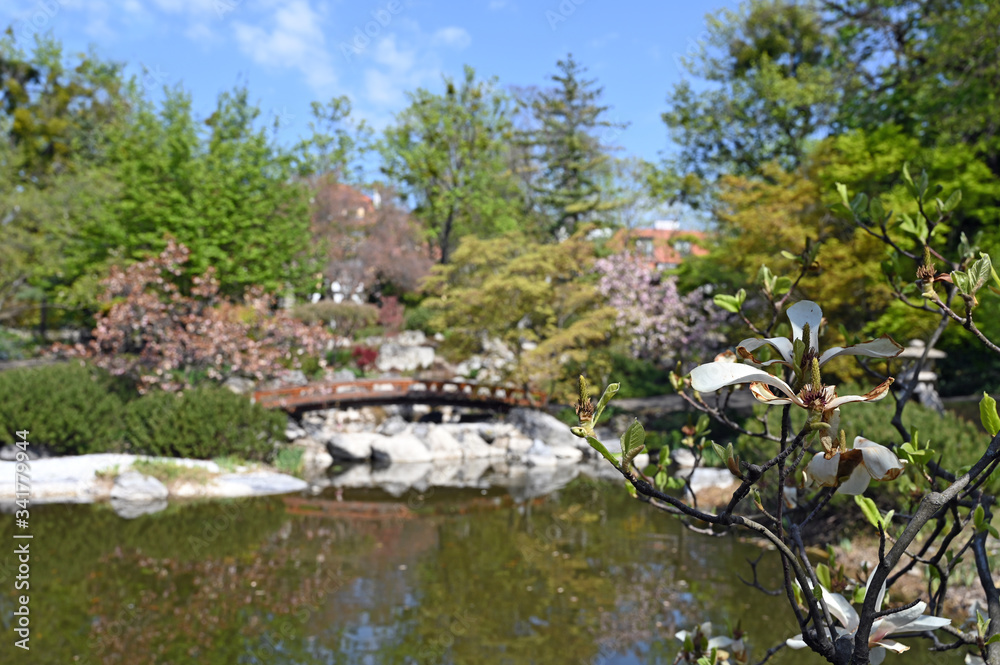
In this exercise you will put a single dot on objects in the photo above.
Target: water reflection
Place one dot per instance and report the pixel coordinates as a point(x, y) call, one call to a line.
point(582, 575)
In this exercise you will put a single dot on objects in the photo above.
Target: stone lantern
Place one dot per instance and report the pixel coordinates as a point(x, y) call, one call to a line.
point(926, 388)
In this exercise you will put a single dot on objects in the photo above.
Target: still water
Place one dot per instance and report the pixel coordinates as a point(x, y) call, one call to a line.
point(582, 575)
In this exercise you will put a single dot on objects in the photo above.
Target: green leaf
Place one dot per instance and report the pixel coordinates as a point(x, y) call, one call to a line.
point(953, 201)
point(995, 638)
point(823, 575)
point(876, 210)
point(978, 517)
point(869, 509)
point(842, 190)
point(782, 285)
point(727, 302)
point(791, 257)
point(859, 205)
point(599, 447)
point(979, 272)
point(634, 437)
point(817, 593)
point(962, 282)
point(988, 414)
point(609, 392)
point(859, 595)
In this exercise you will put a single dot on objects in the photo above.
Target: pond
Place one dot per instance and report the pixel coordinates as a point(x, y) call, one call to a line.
point(582, 575)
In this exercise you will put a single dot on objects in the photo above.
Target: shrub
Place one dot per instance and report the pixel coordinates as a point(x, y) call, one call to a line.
point(70, 408)
point(419, 318)
point(202, 423)
point(346, 318)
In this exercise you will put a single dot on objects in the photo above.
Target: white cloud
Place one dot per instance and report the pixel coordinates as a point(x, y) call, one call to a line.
point(604, 40)
point(451, 36)
point(293, 39)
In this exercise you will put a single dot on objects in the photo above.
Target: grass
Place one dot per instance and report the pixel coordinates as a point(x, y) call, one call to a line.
point(289, 460)
point(168, 472)
point(231, 463)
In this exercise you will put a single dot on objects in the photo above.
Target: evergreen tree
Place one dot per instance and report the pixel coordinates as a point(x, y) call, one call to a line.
point(573, 184)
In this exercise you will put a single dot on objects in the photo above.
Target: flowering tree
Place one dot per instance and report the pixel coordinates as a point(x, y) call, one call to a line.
point(160, 337)
point(661, 325)
point(946, 512)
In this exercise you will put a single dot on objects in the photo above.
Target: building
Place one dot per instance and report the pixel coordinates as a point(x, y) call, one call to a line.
point(662, 246)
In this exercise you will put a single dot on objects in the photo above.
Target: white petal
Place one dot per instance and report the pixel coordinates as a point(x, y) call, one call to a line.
point(873, 395)
point(881, 462)
point(801, 313)
point(878, 599)
point(841, 609)
point(892, 645)
point(719, 642)
point(712, 376)
point(796, 642)
point(895, 622)
point(973, 660)
point(876, 656)
point(764, 395)
point(883, 347)
point(681, 635)
point(824, 471)
point(782, 345)
point(923, 623)
point(857, 483)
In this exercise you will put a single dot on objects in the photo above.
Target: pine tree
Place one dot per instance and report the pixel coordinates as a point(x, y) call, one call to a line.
point(570, 148)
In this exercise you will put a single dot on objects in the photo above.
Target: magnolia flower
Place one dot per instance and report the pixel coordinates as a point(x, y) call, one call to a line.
point(864, 461)
point(805, 317)
point(909, 621)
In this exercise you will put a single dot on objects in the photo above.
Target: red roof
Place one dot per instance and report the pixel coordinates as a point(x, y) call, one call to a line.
point(661, 248)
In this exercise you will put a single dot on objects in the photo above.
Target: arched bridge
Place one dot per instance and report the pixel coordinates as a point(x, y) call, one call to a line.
point(374, 392)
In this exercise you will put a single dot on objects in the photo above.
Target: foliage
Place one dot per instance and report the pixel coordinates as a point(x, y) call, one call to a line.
point(659, 324)
point(345, 318)
point(289, 460)
point(201, 423)
point(364, 357)
point(171, 472)
point(569, 146)
point(160, 337)
point(366, 248)
point(70, 408)
point(539, 300)
point(445, 155)
point(391, 314)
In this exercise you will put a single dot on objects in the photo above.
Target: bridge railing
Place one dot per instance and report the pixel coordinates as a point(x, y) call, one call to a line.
point(318, 395)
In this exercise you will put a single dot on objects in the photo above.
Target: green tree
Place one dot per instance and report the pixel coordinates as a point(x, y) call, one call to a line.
point(539, 300)
point(445, 155)
point(570, 147)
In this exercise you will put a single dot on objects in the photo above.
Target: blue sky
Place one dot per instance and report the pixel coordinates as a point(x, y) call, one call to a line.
point(292, 52)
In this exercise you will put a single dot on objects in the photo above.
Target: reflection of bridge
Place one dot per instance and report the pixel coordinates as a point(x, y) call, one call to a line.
point(373, 392)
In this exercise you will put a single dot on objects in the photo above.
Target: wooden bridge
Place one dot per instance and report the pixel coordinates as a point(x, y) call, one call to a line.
point(374, 392)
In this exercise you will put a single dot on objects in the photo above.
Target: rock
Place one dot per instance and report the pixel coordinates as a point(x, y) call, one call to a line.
point(129, 510)
point(539, 425)
point(239, 385)
point(442, 445)
point(490, 431)
point(411, 338)
point(293, 430)
point(683, 458)
point(396, 357)
point(567, 455)
point(392, 426)
point(315, 457)
point(351, 446)
point(259, 483)
point(705, 478)
point(340, 375)
point(34, 451)
point(133, 486)
point(514, 446)
point(397, 478)
point(403, 448)
point(474, 447)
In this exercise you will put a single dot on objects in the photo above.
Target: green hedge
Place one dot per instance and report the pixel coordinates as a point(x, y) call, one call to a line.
point(70, 408)
point(74, 409)
point(201, 423)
